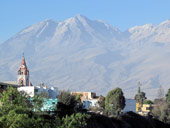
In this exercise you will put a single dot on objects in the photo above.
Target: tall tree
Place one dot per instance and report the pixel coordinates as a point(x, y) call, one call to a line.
point(114, 102)
point(161, 111)
point(67, 103)
point(66, 98)
point(140, 96)
point(101, 101)
point(161, 92)
point(168, 96)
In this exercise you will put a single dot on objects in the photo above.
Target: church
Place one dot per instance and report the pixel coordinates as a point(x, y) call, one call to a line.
point(23, 74)
point(23, 83)
point(22, 78)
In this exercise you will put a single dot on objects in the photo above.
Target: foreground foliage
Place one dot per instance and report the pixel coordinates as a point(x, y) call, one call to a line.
point(18, 111)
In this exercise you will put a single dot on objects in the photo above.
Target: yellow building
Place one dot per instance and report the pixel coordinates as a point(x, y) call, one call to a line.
point(141, 108)
point(144, 109)
point(138, 107)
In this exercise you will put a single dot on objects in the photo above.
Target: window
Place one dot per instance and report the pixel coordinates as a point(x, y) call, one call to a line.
point(147, 108)
point(36, 90)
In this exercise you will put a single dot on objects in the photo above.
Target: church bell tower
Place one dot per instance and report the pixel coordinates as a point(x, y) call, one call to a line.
point(23, 73)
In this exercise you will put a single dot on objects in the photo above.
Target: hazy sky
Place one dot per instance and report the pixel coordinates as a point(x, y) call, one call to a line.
point(123, 14)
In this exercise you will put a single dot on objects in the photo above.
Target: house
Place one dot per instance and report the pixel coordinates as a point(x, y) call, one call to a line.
point(85, 95)
point(90, 103)
point(145, 109)
point(89, 99)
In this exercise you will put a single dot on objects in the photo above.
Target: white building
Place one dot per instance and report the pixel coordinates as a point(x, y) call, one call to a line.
point(90, 103)
point(32, 90)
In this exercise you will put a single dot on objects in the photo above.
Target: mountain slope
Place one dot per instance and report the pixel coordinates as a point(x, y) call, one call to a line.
point(85, 55)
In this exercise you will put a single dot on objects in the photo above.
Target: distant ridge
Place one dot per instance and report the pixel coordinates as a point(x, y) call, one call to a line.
point(90, 55)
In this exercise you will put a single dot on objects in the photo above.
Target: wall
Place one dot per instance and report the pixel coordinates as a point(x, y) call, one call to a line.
point(31, 90)
point(28, 89)
point(90, 103)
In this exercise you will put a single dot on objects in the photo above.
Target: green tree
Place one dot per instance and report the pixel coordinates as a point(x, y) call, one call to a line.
point(18, 117)
point(161, 111)
point(37, 101)
point(114, 102)
point(77, 120)
point(15, 109)
point(101, 101)
point(78, 98)
point(11, 98)
point(66, 98)
point(140, 97)
point(161, 93)
point(168, 96)
point(147, 102)
point(66, 104)
point(161, 108)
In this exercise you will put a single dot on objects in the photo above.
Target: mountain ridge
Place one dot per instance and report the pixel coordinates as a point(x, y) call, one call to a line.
point(90, 55)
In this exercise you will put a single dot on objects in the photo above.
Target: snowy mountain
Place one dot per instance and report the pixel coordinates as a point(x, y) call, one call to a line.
point(86, 55)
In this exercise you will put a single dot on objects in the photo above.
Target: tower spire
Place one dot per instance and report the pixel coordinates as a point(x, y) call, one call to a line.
point(139, 84)
point(23, 73)
point(23, 62)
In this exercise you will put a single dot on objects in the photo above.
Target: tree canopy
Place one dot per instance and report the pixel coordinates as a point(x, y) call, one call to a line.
point(68, 104)
point(114, 102)
point(168, 96)
point(161, 108)
point(140, 97)
point(147, 102)
point(101, 101)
